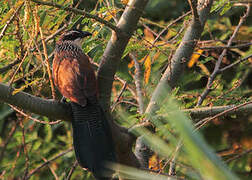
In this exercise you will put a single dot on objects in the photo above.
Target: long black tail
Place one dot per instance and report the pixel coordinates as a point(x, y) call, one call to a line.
point(92, 139)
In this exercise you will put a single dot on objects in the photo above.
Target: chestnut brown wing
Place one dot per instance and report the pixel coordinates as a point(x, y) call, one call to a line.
point(75, 77)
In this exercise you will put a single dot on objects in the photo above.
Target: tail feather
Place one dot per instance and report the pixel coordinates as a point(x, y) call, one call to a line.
point(92, 139)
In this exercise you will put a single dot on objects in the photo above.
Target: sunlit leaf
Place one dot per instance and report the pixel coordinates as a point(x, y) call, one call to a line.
point(24, 86)
point(125, 2)
point(147, 72)
point(148, 35)
point(12, 11)
point(204, 69)
point(194, 58)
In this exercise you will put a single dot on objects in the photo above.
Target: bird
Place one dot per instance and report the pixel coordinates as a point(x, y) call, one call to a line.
point(75, 79)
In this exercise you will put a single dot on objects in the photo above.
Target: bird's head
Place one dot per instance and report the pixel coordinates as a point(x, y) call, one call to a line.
point(74, 36)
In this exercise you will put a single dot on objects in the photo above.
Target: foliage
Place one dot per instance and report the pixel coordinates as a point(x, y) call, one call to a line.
point(26, 145)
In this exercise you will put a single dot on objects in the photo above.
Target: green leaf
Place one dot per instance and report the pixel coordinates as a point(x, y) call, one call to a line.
point(48, 132)
point(227, 6)
point(42, 18)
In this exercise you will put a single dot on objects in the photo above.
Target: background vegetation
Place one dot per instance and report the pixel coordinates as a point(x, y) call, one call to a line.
point(180, 98)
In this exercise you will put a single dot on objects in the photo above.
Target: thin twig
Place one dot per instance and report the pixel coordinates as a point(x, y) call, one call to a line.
point(15, 162)
point(52, 170)
point(138, 83)
point(201, 123)
point(9, 66)
point(218, 63)
point(7, 140)
point(19, 66)
point(239, 155)
point(72, 170)
point(27, 163)
point(47, 162)
point(235, 63)
point(9, 21)
point(157, 172)
point(77, 11)
point(48, 64)
point(119, 96)
point(226, 47)
point(36, 120)
point(169, 25)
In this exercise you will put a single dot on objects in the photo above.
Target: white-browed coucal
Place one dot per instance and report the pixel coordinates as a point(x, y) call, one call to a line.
point(75, 79)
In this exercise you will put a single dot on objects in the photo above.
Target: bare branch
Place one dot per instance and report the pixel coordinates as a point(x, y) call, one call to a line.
point(50, 108)
point(7, 140)
point(138, 84)
point(119, 96)
point(174, 69)
point(235, 63)
point(183, 53)
point(193, 5)
point(198, 113)
point(115, 48)
point(35, 120)
point(205, 121)
point(47, 162)
point(47, 63)
point(216, 70)
point(227, 47)
point(9, 21)
point(77, 11)
point(9, 66)
point(239, 155)
point(72, 170)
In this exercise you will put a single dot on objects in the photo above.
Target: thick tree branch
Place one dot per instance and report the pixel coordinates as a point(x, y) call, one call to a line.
point(50, 108)
point(58, 110)
point(182, 54)
point(175, 68)
point(115, 48)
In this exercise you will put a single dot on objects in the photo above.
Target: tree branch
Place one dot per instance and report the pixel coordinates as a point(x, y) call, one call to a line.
point(77, 11)
point(58, 110)
point(235, 63)
point(9, 21)
point(9, 66)
point(199, 113)
point(138, 77)
point(216, 70)
point(174, 69)
point(182, 54)
point(115, 48)
point(47, 162)
point(50, 108)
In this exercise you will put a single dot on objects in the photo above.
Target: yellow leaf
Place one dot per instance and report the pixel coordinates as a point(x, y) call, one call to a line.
point(204, 69)
point(125, 2)
point(194, 58)
point(131, 64)
point(148, 35)
point(36, 19)
point(3, 53)
point(147, 65)
point(24, 87)
point(154, 163)
point(11, 11)
point(27, 11)
point(110, 14)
